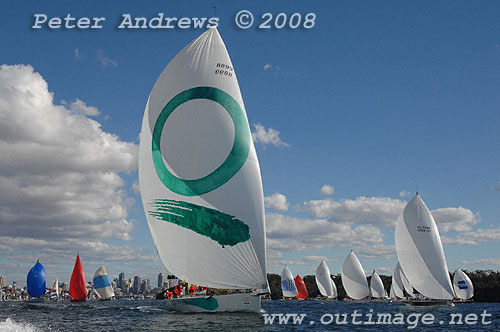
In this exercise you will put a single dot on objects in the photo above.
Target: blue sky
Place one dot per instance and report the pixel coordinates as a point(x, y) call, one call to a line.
point(377, 99)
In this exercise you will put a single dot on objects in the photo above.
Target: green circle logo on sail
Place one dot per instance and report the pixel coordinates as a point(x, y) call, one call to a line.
point(234, 161)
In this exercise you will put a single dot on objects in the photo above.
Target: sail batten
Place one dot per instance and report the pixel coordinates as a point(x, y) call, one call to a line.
point(420, 251)
point(199, 174)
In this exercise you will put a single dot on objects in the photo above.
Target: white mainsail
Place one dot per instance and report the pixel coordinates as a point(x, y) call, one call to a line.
point(420, 251)
point(324, 281)
point(397, 283)
point(462, 285)
point(288, 283)
point(354, 278)
point(199, 175)
point(102, 284)
point(377, 286)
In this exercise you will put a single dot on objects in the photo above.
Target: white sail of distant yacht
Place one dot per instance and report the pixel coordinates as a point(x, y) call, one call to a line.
point(102, 284)
point(462, 285)
point(406, 284)
point(288, 286)
point(392, 295)
point(200, 179)
point(54, 293)
point(377, 286)
point(354, 278)
point(324, 281)
point(420, 252)
point(397, 283)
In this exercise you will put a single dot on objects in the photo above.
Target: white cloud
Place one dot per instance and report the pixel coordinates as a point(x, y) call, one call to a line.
point(382, 211)
point(59, 171)
point(376, 251)
point(483, 261)
point(327, 189)
point(454, 219)
point(80, 107)
point(105, 60)
point(286, 233)
point(404, 193)
point(384, 270)
point(267, 66)
point(265, 137)
point(276, 201)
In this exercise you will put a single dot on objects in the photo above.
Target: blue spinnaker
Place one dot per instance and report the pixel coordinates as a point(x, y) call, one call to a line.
point(36, 280)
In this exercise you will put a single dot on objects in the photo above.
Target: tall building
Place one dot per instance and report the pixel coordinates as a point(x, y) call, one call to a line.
point(161, 279)
point(137, 284)
point(145, 286)
point(3, 281)
point(121, 279)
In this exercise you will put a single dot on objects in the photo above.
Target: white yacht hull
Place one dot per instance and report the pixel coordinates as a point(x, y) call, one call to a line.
point(243, 302)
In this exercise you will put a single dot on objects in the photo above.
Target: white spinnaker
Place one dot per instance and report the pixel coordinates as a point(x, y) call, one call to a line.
point(324, 281)
point(406, 284)
point(335, 293)
point(354, 278)
point(462, 285)
point(102, 284)
point(288, 283)
point(421, 253)
point(392, 295)
point(397, 283)
point(197, 140)
point(377, 286)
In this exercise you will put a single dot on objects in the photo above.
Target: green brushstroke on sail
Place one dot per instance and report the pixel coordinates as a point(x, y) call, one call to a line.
point(210, 303)
point(218, 226)
point(234, 161)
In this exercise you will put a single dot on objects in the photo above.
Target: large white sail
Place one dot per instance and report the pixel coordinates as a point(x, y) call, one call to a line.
point(199, 175)
point(288, 286)
point(420, 251)
point(462, 285)
point(397, 283)
point(392, 295)
point(354, 278)
point(324, 281)
point(377, 286)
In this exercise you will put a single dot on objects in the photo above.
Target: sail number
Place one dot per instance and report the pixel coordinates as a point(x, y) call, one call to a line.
point(223, 69)
point(423, 229)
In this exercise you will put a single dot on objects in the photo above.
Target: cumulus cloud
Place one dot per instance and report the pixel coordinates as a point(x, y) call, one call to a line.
point(454, 219)
point(327, 189)
point(59, 171)
point(267, 136)
point(381, 211)
point(404, 193)
point(276, 201)
point(286, 233)
point(376, 251)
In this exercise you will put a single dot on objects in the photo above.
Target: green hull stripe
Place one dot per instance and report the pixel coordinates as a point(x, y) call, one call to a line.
point(205, 303)
point(233, 163)
point(218, 226)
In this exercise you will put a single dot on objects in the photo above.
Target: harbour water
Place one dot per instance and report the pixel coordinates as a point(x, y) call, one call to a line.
point(150, 315)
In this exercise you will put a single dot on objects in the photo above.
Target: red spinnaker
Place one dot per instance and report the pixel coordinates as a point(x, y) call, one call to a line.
point(77, 285)
point(301, 288)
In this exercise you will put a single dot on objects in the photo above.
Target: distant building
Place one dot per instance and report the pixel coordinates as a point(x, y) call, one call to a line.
point(65, 286)
point(121, 280)
point(145, 286)
point(161, 279)
point(137, 284)
point(3, 281)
